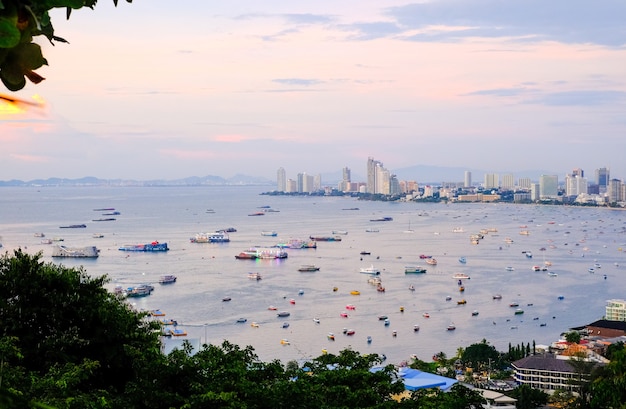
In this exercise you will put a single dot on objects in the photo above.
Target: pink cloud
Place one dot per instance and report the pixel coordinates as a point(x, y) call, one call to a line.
point(231, 138)
point(30, 158)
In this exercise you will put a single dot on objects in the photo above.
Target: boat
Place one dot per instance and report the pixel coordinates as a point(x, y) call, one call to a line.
point(104, 219)
point(242, 320)
point(254, 324)
point(375, 280)
point(462, 260)
point(382, 219)
point(177, 332)
point(292, 301)
point(461, 302)
point(283, 314)
point(448, 298)
point(497, 297)
point(425, 256)
point(97, 235)
point(458, 230)
point(73, 226)
point(325, 238)
point(524, 232)
point(46, 241)
point(154, 246)
point(343, 315)
point(426, 315)
point(372, 230)
point(285, 325)
point(460, 276)
point(431, 261)
point(414, 270)
point(380, 288)
point(451, 327)
point(316, 320)
point(350, 332)
point(514, 304)
point(139, 291)
point(269, 233)
point(461, 289)
point(167, 279)
point(111, 214)
point(369, 339)
point(416, 328)
point(257, 214)
point(382, 317)
point(217, 237)
point(254, 276)
point(474, 313)
point(256, 253)
point(365, 253)
point(39, 235)
point(394, 333)
point(509, 268)
point(156, 313)
point(226, 299)
point(330, 336)
point(411, 287)
point(519, 311)
point(308, 268)
point(552, 274)
point(284, 341)
point(77, 252)
point(272, 308)
point(104, 209)
point(370, 270)
point(342, 232)
point(350, 307)
point(297, 244)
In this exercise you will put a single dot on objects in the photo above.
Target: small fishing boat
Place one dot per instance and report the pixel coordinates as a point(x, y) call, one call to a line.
point(330, 336)
point(369, 339)
point(316, 320)
point(226, 299)
point(461, 302)
point(284, 341)
point(451, 327)
point(355, 292)
point(344, 315)
point(386, 322)
point(283, 314)
point(448, 298)
point(241, 320)
point(426, 315)
point(416, 328)
point(462, 260)
point(474, 313)
point(285, 325)
point(350, 332)
point(382, 317)
point(350, 307)
point(254, 325)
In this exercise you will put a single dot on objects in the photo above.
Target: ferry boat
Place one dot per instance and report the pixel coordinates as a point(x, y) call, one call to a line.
point(217, 237)
point(297, 244)
point(73, 226)
point(370, 270)
point(309, 268)
point(414, 270)
point(325, 238)
point(167, 279)
point(154, 246)
point(77, 252)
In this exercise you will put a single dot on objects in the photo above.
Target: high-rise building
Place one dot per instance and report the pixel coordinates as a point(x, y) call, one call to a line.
point(548, 187)
point(346, 182)
point(492, 181)
point(383, 178)
point(578, 172)
point(575, 185)
point(524, 183)
point(281, 180)
point(371, 174)
point(508, 182)
point(468, 179)
point(602, 179)
point(317, 182)
point(616, 310)
point(614, 190)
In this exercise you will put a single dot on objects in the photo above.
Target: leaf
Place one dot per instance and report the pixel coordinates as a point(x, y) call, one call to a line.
point(9, 34)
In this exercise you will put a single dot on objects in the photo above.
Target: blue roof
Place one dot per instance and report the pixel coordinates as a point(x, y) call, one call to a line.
point(415, 379)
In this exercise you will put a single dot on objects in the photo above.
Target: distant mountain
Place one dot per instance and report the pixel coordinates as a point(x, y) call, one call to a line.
point(190, 181)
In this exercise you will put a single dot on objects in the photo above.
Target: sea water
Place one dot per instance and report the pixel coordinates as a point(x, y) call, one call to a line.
point(572, 239)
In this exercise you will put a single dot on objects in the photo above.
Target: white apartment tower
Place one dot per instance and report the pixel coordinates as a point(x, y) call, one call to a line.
point(616, 310)
point(548, 187)
point(281, 180)
point(468, 179)
point(508, 182)
point(492, 181)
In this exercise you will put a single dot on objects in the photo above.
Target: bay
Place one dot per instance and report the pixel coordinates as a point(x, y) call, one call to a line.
point(574, 240)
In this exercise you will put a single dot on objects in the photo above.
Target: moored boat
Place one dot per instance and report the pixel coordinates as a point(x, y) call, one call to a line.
point(154, 246)
point(370, 270)
point(414, 270)
point(325, 238)
point(432, 261)
point(77, 252)
point(254, 276)
point(459, 276)
point(216, 237)
point(271, 233)
point(167, 279)
point(74, 226)
point(308, 268)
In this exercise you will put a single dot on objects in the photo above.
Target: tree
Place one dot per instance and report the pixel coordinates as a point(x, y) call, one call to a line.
point(20, 21)
point(458, 397)
point(529, 398)
point(608, 385)
point(480, 355)
point(74, 339)
point(573, 337)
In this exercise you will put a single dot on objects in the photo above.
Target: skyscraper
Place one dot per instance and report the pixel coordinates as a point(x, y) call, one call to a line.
point(468, 179)
point(281, 180)
point(371, 174)
point(492, 181)
point(548, 187)
point(602, 179)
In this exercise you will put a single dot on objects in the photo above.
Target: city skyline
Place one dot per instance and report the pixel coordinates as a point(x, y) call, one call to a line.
point(147, 91)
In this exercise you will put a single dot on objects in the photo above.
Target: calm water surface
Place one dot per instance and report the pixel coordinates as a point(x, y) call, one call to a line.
point(574, 239)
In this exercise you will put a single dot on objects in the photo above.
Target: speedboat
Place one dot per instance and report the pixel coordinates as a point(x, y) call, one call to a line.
point(451, 327)
point(370, 270)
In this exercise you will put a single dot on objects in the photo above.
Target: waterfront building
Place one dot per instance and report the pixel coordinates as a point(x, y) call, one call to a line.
point(372, 165)
point(508, 182)
point(492, 181)
point(292, 186)
point(614, 191)
point(534, 191)
point(281, 180)
point(524, 183)
point(468, 179)
point(548, 187)
point(575, 185)
point(602, 179)
point(317, 182)
point(616, 310)
point(345, 184)
point(547, 372)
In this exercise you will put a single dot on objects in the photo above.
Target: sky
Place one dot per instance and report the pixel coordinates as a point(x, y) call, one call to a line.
point(158, 89)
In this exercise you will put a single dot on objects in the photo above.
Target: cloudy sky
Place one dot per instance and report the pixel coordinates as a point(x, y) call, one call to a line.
point(158, 89)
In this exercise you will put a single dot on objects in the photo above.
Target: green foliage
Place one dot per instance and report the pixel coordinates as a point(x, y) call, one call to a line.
point(459, 397)
point(480, 356)
point(608, 387)
point(20, 22)
point(573, 337)
point(529, 398)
